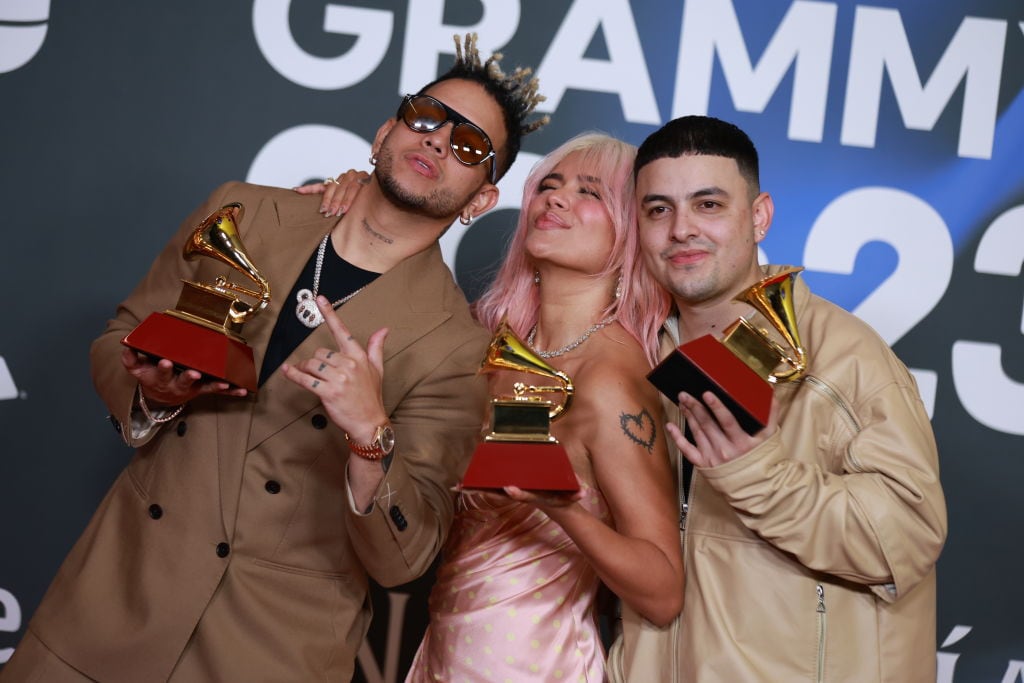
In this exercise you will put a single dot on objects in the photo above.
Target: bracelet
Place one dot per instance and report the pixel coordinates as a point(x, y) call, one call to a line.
point(153, 418)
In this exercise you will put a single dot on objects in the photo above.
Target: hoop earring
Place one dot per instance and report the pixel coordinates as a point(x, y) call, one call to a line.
point(466, 220)
point(373, 159)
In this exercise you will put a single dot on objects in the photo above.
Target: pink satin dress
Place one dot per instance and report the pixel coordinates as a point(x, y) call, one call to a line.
point(513, 601)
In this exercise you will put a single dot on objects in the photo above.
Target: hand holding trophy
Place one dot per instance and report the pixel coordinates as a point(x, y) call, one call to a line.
point(203, 331)
point(520, 450)
point(741, 368)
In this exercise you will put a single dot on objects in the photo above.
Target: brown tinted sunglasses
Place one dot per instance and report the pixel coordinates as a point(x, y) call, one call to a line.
point(469, 143)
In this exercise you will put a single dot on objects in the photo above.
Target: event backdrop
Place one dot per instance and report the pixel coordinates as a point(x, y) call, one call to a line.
point(891, 135)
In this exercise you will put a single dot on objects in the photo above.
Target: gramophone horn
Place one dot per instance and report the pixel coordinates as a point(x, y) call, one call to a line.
point(772, 297)
point(508, 352)
point(217, 237)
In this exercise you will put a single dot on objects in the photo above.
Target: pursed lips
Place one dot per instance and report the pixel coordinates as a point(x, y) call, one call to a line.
point(422, 165)
point(550, 221)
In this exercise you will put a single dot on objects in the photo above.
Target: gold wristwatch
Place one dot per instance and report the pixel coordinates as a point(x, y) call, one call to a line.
point(380, 446)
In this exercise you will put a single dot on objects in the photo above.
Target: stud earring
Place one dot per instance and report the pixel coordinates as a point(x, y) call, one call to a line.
point(618, 287)
point(373, 159)
point(536, 278)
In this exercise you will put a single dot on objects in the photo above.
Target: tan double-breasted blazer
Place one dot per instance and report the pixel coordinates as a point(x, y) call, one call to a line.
point(227, 549)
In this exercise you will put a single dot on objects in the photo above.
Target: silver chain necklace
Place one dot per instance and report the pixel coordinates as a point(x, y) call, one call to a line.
point(571, 345)
point(307, 312)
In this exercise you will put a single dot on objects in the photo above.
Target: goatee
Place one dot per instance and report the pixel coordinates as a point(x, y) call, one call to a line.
point(439, 203)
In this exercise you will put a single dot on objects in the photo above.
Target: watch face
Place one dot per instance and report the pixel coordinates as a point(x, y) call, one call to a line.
point(387, 439)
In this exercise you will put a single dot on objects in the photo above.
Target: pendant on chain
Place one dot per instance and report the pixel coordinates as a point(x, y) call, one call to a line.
point(306, 311)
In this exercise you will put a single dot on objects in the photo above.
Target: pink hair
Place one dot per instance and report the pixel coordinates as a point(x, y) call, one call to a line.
point(642, 305)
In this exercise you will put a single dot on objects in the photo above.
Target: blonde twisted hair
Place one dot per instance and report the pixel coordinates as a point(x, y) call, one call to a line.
point(522, 88)
point(516, 93)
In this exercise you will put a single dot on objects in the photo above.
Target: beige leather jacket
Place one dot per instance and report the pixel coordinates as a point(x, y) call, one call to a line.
point(812, 557)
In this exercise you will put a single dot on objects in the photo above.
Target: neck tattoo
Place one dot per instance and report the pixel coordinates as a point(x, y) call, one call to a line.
point(383, 238)
point(571, 345)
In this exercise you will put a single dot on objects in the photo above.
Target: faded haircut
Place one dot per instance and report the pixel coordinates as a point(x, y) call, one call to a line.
point(702, 136)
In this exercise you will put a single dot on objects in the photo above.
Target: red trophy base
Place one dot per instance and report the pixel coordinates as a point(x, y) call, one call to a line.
point(189, 345)
point(530, 466)
point(706, 364)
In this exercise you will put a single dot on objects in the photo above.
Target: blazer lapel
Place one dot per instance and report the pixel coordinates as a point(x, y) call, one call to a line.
point(410, 300)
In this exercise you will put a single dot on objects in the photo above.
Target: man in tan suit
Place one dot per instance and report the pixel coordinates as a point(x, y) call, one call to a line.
point(237, 543)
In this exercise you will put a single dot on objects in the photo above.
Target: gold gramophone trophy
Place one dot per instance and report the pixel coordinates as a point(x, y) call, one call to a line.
point(520, 450)
point(203, 331)
point(741, 367)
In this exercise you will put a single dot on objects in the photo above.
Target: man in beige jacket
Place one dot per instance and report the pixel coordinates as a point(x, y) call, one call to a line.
point(238, 543)
point(810, 545)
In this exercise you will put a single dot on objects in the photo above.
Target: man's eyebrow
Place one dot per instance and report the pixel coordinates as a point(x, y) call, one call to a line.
point(712, 191)
point(653, 197)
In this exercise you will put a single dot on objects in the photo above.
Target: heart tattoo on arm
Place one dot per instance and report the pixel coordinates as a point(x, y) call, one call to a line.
point(639, 428)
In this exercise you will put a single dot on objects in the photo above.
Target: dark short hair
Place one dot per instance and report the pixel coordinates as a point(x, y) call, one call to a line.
point(701, 135)
point(515, 93)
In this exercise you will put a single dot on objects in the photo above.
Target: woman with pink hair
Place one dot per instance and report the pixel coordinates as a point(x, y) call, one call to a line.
point(516, 592)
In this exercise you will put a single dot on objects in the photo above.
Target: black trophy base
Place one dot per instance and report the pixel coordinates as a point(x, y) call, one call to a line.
point(705, 364)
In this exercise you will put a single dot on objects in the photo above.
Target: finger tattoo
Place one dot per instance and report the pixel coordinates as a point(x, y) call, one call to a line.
point(330, 353)
point(321, 368)
point(316, 383)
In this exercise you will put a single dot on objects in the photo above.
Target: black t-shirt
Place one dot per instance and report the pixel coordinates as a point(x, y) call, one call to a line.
point(338, 279)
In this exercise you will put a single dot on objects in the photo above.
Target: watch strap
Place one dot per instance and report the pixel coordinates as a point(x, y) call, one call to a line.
point(376, 449)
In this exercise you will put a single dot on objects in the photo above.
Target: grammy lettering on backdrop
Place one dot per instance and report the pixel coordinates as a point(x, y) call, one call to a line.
point(203, 331)
point(741, 367)
point(520, 450)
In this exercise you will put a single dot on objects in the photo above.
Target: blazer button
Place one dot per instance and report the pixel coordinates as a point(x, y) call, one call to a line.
point(319, 421)
point(223, 549)
point(398, 518)
point(272, 486)
point(182, 428)
point(155, 511)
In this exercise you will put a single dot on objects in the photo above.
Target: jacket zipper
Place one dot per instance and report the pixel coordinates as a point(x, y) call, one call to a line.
point(839, 403)
point(684, 511)
point(822, 633)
